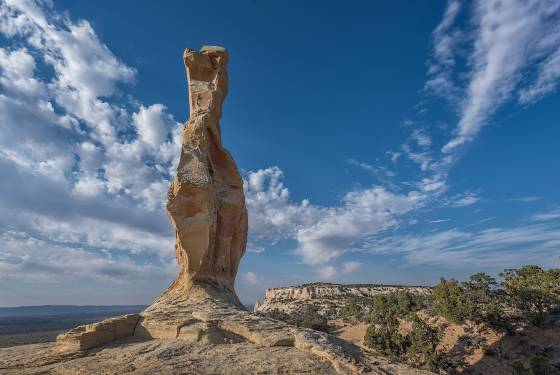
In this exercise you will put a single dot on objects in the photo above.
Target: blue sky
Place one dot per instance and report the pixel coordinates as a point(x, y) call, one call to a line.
point(380, 142)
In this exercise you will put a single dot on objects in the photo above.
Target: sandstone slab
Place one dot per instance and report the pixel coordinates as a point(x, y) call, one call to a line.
point(92, 335)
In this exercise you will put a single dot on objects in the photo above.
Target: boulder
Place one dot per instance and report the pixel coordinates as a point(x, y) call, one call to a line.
point(92, 335)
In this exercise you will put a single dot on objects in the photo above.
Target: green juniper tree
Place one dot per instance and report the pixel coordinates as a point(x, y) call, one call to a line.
point(532, 290)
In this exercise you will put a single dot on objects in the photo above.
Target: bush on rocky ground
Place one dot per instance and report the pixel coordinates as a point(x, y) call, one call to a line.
point(532, 291)
point(397, 304)
point(312, 319)
point(351, 309)
point(418, 347)
point(479, 300)
point(383, 335)
point(423, 342)
point(309, 318)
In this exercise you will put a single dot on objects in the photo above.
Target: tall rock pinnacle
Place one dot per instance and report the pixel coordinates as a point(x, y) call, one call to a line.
point(206, 207)
point(206, 204)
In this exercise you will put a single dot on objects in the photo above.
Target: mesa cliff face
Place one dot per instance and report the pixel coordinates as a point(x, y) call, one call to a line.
point(325, 290)
point(293, 298)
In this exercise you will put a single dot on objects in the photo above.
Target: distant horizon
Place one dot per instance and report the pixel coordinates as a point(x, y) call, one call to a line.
point(25, 306)
point(245, 303)
point(379, 142)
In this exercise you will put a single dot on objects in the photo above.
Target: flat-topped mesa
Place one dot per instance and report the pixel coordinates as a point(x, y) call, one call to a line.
point(206, 205)
point(327, 290)
point(326, 296)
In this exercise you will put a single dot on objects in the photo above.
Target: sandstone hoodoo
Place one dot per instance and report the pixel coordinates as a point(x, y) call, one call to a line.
point(206, 204)
point(198, 324)
point(206, 207)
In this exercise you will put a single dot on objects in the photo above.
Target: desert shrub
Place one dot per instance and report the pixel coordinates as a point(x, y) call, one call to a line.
point(417, 348)
point(408, 302)
point(473, 341)
point(385, 337)
point(331, 313)
point(312, 319)
point(450, 363)
point(486, 301)
point(277, 314)
point(351, 308)
point(517, 368)
point(479, 299)
point(532, 290)
point(450, 301)
point(382, 308)
point(423, 341)
point(482, 290)
point(396, 304)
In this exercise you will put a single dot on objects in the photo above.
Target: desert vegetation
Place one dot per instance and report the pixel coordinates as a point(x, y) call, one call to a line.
point(525, 296)
point(308, 318)
point(505, 321)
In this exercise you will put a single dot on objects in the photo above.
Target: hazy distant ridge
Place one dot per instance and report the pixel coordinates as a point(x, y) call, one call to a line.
point(54, 310)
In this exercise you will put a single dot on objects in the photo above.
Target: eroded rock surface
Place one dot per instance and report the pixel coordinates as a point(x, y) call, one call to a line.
point(136, 356)
point(205, 203)
point(327, 290)
point(92, 335)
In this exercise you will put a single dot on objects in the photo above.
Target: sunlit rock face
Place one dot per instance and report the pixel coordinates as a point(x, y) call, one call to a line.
point(206, 204)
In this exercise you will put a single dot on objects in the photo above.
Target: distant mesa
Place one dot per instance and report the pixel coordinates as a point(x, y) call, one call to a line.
point(295, 298)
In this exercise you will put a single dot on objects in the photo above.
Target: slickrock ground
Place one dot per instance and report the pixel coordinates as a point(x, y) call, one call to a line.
point(198, 326)
point(138, 356)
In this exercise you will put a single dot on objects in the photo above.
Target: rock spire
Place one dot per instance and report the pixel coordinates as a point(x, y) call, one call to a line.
point(198, 324)
point(206, 204)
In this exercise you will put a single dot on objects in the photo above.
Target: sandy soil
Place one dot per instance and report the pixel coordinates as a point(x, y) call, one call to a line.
point(484, 351)
point(353, 333)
